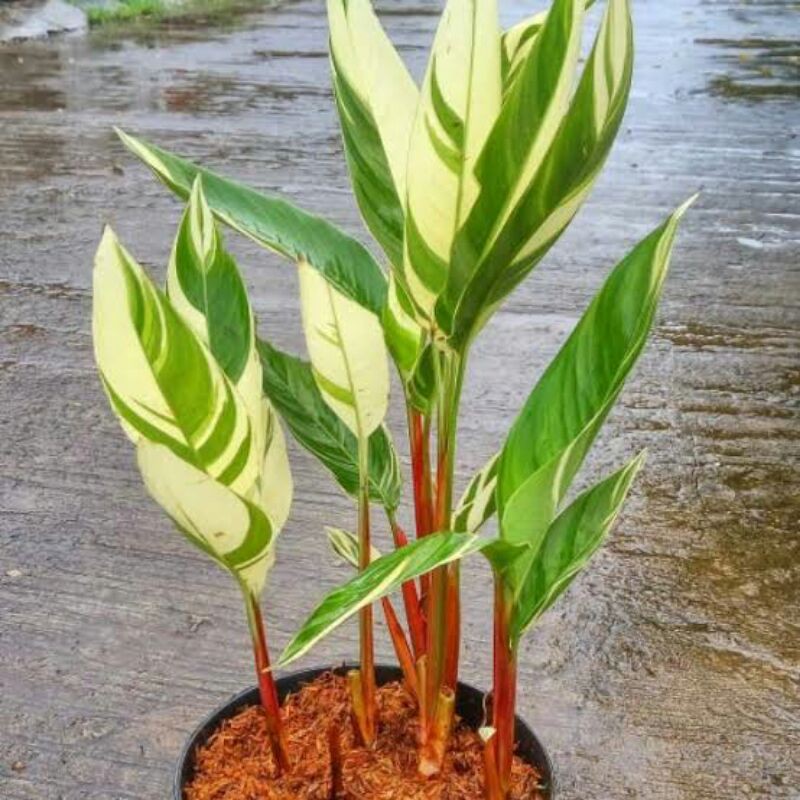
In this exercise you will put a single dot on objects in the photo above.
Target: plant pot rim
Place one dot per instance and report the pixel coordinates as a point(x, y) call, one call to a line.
point(469, 705)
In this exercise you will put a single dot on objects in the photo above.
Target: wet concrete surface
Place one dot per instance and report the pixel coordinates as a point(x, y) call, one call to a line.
point(671, 671)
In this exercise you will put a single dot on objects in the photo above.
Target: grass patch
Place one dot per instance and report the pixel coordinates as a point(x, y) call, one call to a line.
point(137, 11)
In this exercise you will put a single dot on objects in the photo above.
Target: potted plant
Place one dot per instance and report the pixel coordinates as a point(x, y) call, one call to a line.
point(465, 183)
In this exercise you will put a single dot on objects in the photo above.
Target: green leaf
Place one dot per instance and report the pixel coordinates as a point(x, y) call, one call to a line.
point(235, 532)
point(161, 380)
point(479, 501)
point(377, 101)
point(460, 100)
point(275, 224)
point(379, 579)
point(345, 545)
point(348, 354)
point(554, 431)
point(570, 542)
point(289, 383)
point(205, 288)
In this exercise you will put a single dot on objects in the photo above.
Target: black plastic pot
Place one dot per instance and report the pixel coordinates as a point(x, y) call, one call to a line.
point(469, 706)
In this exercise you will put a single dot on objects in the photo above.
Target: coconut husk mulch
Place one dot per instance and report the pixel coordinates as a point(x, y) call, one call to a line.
point(237, 764)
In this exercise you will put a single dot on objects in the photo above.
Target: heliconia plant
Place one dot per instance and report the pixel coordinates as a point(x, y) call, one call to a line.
point(465, 183)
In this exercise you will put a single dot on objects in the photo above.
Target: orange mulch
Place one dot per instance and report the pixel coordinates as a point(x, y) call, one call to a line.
point(237, 764)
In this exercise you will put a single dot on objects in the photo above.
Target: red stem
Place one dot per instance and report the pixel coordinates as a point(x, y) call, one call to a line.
point(411, 601)
point(401, 647)
point(419, 430)
point(266, 684)
point(366, 626)
point(504, 695)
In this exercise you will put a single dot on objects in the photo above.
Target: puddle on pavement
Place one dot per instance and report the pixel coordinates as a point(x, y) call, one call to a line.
point(764, 66)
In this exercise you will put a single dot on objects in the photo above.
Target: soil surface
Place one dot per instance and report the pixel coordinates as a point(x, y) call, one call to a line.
point(328, 761)
point(670, 670)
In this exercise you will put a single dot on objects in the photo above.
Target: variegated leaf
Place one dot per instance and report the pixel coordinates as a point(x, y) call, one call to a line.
point(345, 545)
point(409, 346)
point(161, 380)
point(554, 431)
point(517, 43)
point(233, 531)
point(542, 173)
point(348, 356)
point(205, 288)
point(290, 385)
point(377, 100)
point(460, 101)
point(275, 224)
point(570, 542)
point(382, 576)
point(478, 502)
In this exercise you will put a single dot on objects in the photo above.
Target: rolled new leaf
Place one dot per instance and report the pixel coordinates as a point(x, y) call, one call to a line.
point(570, 542)
point(348, 355)
point(460, 100)
point(380, 578)
point(236, 533)
point(561, 418)
point(289, 383)
point(275, 224)
point(205, 287)
point(161, 380)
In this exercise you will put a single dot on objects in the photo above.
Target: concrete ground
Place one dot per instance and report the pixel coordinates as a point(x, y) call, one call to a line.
point(671, 670)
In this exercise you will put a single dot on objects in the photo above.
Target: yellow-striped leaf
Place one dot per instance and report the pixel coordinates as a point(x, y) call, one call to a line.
point(345, 545)
point(382, 577)
point(479, 501)
point(290, 385)
point(348, 356)
point(540, 161)
point(161, 380)
point(460, 101)
point(377, 100)
point(205, 287)
point(236, 533)
point(517, 43)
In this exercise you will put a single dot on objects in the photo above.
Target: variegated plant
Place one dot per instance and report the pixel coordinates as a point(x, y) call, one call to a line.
point(182, 373)
point(465, 182)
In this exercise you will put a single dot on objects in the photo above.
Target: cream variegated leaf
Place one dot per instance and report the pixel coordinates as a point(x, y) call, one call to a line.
point(232, 530)
point(205, 287)
point(377, 100)
point(517, 43)
point(519, 140)
point(277, 486)
point(161, 379)
point(478, 502)
point(348, 356)
point(562, 157)
point(380, 578)
point(345, 545)
point(460, 100)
